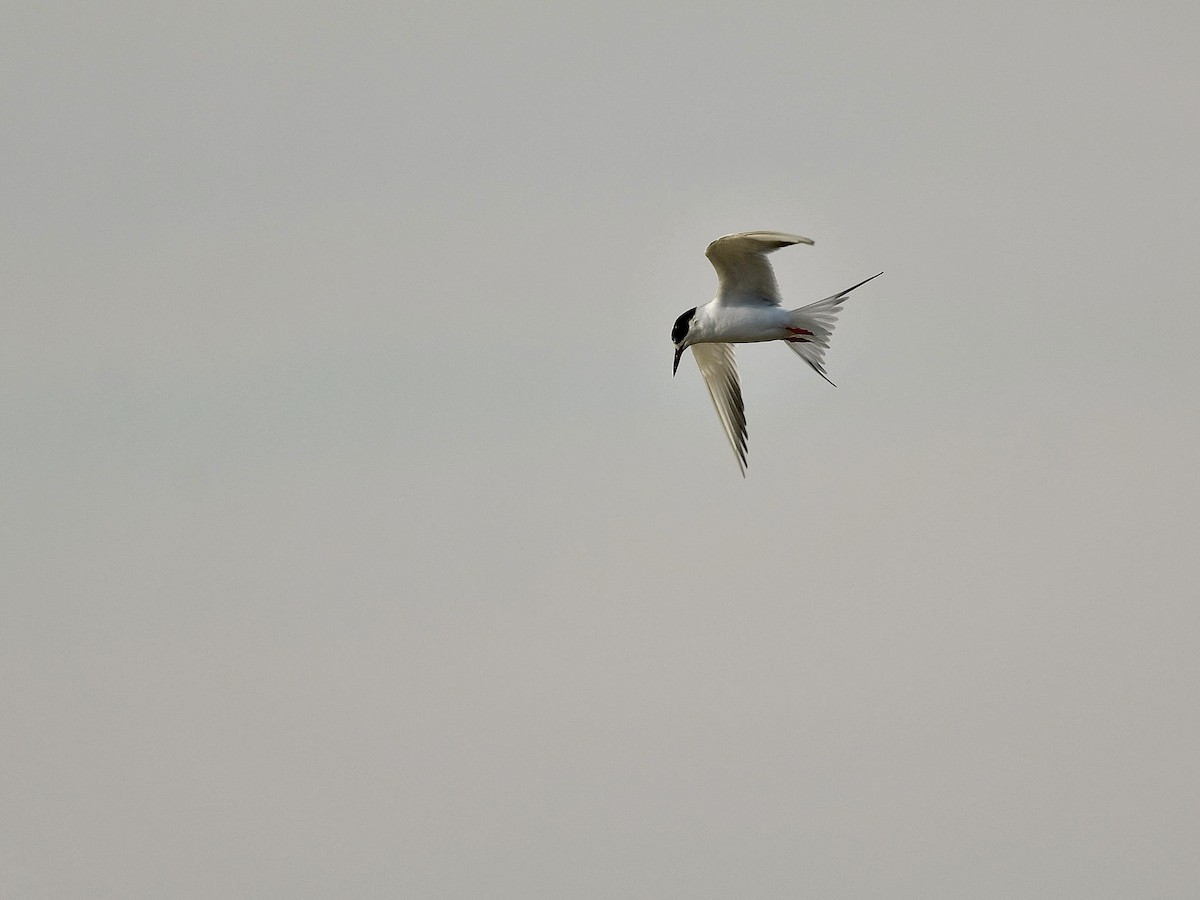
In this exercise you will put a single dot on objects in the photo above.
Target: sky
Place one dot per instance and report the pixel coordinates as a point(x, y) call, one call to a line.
point(358, 542)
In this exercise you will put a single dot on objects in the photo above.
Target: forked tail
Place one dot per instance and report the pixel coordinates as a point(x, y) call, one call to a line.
point(812, 327)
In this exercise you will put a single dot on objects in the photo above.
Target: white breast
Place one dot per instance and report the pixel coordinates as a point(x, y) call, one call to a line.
point(742, 324)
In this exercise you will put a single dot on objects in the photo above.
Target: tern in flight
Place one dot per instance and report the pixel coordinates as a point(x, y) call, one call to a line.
point(748, 309)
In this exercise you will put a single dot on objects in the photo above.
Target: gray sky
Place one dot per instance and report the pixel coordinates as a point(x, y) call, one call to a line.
point(357, 541)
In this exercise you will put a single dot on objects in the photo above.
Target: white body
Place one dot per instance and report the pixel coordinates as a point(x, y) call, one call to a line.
point(716, 322)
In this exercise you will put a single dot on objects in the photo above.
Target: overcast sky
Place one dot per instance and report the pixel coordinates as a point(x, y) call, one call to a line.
point(357, 542)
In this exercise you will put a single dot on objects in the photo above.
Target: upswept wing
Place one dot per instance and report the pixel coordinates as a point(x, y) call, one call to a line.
point(719, 368)
point(746, 276)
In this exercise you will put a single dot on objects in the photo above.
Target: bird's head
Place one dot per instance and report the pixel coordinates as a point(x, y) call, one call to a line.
point(680, 334)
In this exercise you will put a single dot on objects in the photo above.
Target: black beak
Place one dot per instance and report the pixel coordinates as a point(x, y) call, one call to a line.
point(678, 353)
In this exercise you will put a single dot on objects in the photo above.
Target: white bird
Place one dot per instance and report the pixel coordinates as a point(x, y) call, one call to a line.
point(748, 309)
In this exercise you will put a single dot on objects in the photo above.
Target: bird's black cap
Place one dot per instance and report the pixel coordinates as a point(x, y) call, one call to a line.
point(679, 332)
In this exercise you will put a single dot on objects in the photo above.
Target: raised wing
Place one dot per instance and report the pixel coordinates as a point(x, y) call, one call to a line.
point(719, 369)
point(747, 278)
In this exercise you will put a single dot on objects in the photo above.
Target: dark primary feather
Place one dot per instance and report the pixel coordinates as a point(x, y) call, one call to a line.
point(719, 368)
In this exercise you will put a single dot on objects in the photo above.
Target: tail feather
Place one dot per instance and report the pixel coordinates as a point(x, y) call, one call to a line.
point(819, 318)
